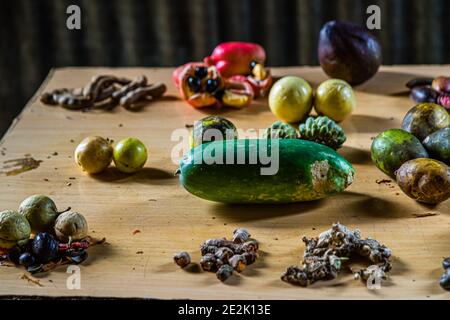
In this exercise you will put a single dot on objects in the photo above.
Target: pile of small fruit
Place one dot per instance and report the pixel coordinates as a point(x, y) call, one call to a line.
point(94, 154)
point(418, 155)
point(224, 256)
point(435, 90)
point(59, 237)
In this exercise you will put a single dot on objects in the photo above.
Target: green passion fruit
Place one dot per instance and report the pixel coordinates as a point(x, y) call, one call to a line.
point(424, 119)
point(393, 147)
point(212, 128)
point(129, 155)
point(14, 229)
point(438, 145)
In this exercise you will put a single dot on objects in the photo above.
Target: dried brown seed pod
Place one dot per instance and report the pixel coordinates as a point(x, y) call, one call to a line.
point(238, 262)
point(208, 262)
point(182, 259)
point(224, 272)
point(224, 254)
point(240, 235)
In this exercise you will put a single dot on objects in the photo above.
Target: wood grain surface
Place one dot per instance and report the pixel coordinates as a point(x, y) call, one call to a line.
point(139, 264)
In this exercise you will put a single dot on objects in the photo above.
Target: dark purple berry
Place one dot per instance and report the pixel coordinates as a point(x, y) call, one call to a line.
point(201, 72)
point(14, 254)
point(194, 83)
point(446, 263)
point(424, 94)
point(26, 260)
point(45, 247)
point(445, 280)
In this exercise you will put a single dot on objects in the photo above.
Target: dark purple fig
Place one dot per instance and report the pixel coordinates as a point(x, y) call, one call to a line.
point(424, 94)
point(348, 52)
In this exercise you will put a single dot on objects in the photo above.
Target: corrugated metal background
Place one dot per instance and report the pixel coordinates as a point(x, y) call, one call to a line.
point(34, 37)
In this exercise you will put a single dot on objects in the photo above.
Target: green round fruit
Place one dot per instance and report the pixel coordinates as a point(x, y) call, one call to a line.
point(425, 180)
point(14, 229)
point(335, 99)
point(129, 155)
point(40, 211)
point(71, 226)
point(424, 119)
point(438, 145)
point(212, 128)
point(280, 130)
point(393, 147)
point(93, 154)
point(290, 99)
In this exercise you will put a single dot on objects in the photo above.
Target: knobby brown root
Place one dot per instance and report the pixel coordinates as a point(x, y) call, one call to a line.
point(324, 256)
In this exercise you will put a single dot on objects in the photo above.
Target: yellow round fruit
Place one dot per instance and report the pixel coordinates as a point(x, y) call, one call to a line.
point(129, 155)
point(290, 99)
point(335, 99)
point(93, 154)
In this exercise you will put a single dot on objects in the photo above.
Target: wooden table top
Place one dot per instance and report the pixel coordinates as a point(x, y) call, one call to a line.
point(170, 220)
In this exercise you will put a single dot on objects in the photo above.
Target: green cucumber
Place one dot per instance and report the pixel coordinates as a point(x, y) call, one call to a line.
point(306, 171)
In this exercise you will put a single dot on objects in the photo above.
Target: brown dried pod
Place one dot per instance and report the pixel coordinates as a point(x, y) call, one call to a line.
point(238, 262)
point(153, 91)
point(208, 262)
point(224, 254)
point(224, 272)
point(240, 235)
point(182, 259)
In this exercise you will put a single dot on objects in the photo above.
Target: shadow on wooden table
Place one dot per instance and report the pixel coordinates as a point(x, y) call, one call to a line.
point(387, 83)
point(374, 207)
point(362, 123)
point(355, 155)
point(255, 212)
point(145, 175)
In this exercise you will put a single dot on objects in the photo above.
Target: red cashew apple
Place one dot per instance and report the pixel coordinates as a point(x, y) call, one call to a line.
point(234, 58)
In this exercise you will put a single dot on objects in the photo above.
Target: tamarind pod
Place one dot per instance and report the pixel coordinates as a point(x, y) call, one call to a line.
point(92, 90)
point(72, 102)
point(140, 81)
point(154, 91)
point(106, 93)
